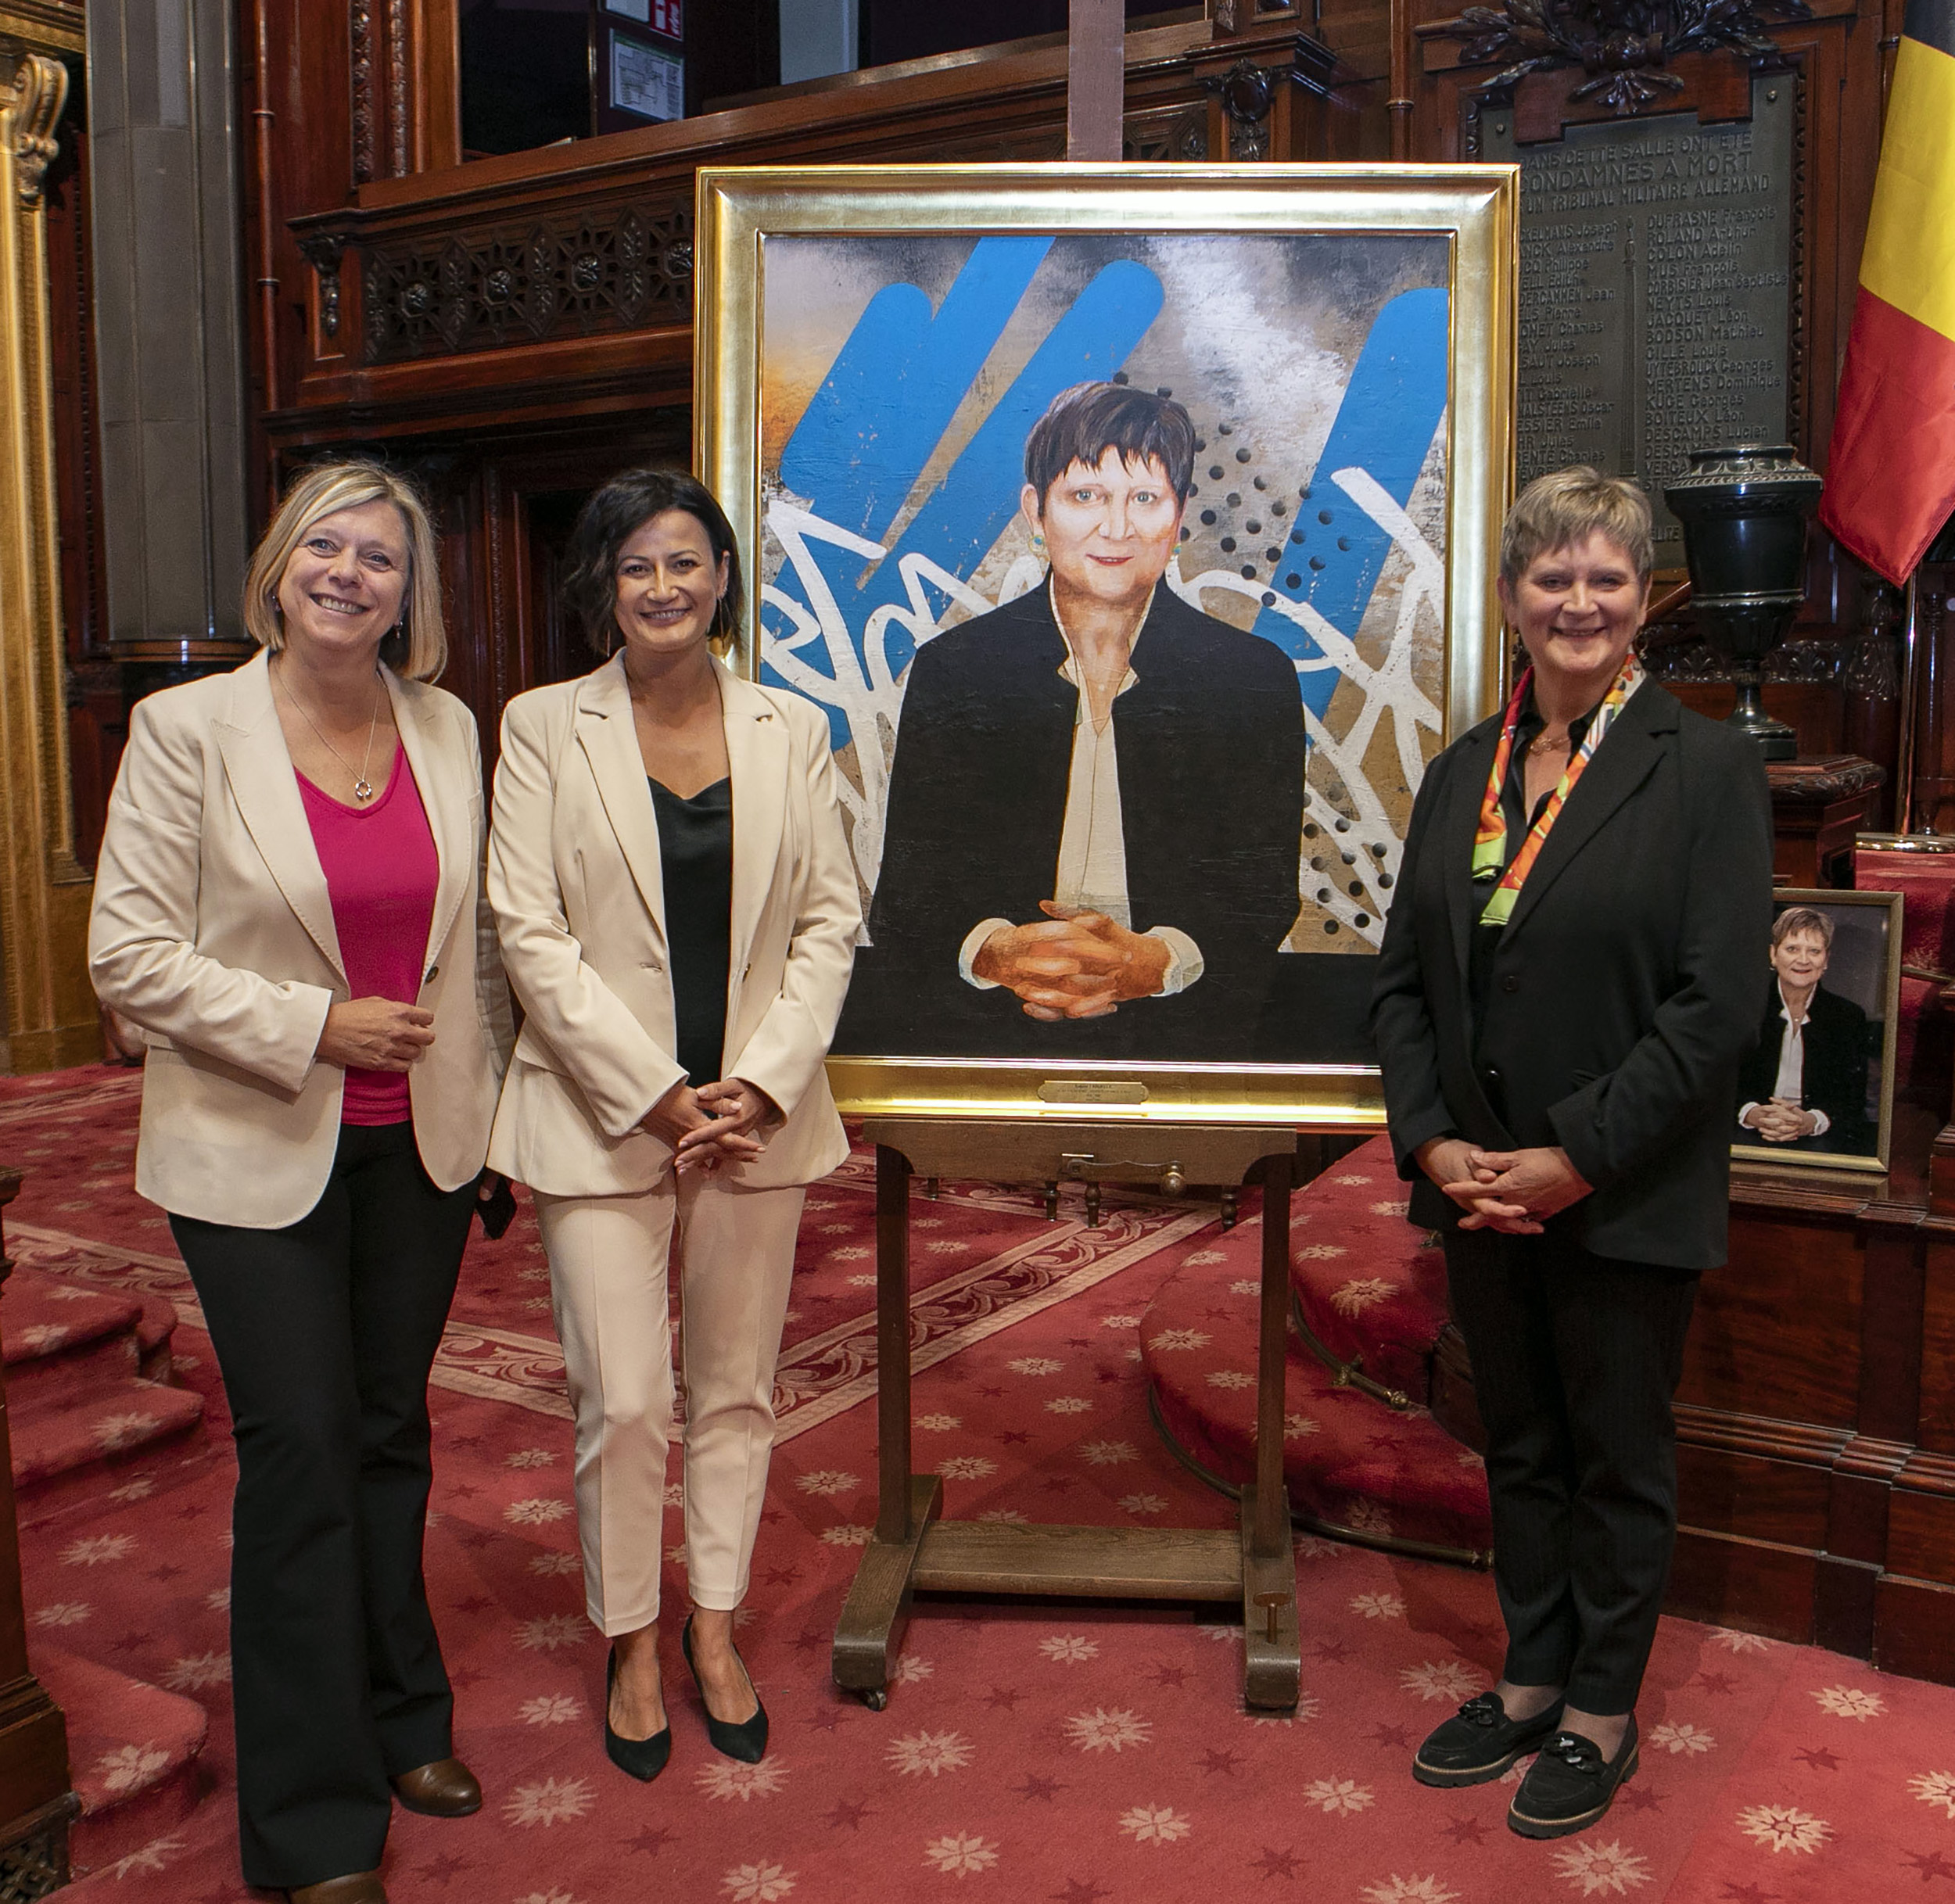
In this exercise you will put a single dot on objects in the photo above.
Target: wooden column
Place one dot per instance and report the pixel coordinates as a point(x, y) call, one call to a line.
point(50, 1012)
point(1095, 78)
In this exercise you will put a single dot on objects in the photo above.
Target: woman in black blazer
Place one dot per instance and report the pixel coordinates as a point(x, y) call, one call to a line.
point(1568, 982)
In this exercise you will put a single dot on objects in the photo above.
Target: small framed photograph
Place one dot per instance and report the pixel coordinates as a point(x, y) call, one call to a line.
point(1817, 1090)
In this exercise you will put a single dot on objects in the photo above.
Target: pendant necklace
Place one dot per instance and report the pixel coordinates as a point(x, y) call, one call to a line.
point(362, 787)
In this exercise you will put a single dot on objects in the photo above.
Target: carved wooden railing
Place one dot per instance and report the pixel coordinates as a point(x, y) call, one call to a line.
point(559, 281)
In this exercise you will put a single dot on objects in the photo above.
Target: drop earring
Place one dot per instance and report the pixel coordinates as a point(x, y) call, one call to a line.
point(1038, 544)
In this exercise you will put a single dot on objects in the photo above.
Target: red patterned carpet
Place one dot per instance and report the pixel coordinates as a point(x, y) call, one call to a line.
point(1088, 1755)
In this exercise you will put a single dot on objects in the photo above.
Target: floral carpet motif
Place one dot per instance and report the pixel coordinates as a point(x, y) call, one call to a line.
point(1088, 1754)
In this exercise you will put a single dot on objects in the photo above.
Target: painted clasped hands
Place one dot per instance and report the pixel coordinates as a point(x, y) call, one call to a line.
point(714, 1125)
point(1077, 963)
point(1511, 1191)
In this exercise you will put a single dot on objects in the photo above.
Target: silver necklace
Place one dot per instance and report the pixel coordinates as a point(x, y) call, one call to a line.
point(362, 787)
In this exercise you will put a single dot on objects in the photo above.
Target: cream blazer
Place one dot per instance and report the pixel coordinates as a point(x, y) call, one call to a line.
point(213, 929)
point(578, 892)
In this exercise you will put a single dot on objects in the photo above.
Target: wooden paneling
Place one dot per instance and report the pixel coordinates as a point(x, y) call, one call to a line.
point(1778, 1330)
point(513, 330)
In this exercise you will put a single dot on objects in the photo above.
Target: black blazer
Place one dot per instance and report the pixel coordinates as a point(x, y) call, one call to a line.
point(1623, 992)
point(1210, 740)
point(1833, 1077)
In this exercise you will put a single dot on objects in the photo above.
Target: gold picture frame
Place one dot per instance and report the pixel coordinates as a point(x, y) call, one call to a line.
point(790, 264)
point(1841, 1034)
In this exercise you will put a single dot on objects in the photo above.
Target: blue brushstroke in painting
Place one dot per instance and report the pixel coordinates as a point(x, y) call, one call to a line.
point(890, 394)
point(1393, 403)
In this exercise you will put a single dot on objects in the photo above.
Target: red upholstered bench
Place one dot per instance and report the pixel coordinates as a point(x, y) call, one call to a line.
point(1371, 1291)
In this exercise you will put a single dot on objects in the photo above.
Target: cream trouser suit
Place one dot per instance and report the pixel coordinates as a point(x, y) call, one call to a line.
point(608, 1279)
point(575, 880)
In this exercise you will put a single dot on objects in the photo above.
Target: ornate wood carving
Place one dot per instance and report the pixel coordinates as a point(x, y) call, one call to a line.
point(602, 269)
point(366, 129)
point(323, 252)
point(33, 101)
point(1247, 94)
point(397, 118)
point(1626, 45)
point(1180, 134)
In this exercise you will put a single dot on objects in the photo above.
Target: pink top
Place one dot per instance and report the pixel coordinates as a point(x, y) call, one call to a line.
point(380, 870)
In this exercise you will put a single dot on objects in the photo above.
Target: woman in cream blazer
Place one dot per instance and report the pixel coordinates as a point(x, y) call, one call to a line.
point(667, 1095)
point(287, 902)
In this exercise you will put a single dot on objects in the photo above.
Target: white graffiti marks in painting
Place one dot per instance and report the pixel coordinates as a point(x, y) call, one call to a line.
point(1391, 696)
point(858, 685)
point(818, 655)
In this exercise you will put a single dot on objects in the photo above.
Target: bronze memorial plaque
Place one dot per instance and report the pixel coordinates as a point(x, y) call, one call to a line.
point(1655, 291)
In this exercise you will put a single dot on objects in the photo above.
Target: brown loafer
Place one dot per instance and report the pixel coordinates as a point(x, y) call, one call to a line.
point(358, 1888)
point(445, 1789)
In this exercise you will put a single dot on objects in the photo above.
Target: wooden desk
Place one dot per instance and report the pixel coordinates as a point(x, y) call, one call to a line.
point(914, 1546)
point(1819, 803)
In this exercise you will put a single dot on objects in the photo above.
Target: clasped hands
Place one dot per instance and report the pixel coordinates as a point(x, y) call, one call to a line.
point(375, 1035)
point(1076, 963)
point(714, 1125)
point(1779, 1120)
point(1514, 1192)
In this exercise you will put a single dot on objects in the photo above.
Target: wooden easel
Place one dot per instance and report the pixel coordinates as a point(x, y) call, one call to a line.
point(914, 1547)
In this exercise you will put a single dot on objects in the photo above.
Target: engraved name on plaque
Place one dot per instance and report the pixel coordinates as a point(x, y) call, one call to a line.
point(1655, 291)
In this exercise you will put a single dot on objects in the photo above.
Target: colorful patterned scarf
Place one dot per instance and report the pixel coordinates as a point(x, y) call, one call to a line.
point(1489, 842)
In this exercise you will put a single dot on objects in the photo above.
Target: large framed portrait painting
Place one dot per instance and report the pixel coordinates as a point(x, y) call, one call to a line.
point(1135, 530)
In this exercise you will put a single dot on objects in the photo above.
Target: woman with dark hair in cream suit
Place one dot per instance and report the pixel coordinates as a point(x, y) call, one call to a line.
point(679, 914)
point(288, 903)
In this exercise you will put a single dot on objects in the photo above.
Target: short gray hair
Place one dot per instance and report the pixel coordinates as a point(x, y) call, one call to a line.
point(1801, 919)
point(1567, 506)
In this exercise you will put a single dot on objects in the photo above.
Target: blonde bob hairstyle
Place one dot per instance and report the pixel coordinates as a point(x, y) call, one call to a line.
point(1567, 506)
point(417, 647)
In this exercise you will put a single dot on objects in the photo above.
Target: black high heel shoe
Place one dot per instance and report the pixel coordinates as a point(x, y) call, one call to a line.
point(642, 1759)
point(746, 1741)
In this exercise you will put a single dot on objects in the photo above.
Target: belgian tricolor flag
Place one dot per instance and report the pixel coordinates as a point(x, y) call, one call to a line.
point(1890, 480)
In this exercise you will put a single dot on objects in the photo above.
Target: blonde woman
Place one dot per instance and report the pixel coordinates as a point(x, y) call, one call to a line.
point(679, 914)
point(288, 904)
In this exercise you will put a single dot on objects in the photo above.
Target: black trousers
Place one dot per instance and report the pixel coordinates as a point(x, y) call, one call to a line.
point(326, 1332)
point(1576, 1360)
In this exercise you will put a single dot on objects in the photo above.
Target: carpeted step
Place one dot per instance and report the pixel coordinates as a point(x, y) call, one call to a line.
point(61, 1340)
point(69, 1438)
point(1370, 1287)
point(156, 1335)
point(1351, 1462)
point(133, 1753)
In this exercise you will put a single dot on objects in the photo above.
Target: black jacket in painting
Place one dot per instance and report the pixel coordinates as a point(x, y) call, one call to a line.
point(1210, 742)
point(1832, 1075)
point(1623, 992)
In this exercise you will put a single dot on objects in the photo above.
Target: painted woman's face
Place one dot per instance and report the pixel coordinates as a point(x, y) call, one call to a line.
point(1110, 527)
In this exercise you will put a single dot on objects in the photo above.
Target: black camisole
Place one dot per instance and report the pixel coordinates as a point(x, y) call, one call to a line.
point(695, 850)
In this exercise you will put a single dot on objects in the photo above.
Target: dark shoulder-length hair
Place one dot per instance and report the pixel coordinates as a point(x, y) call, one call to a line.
point(608, 521)
point(1082, 424)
